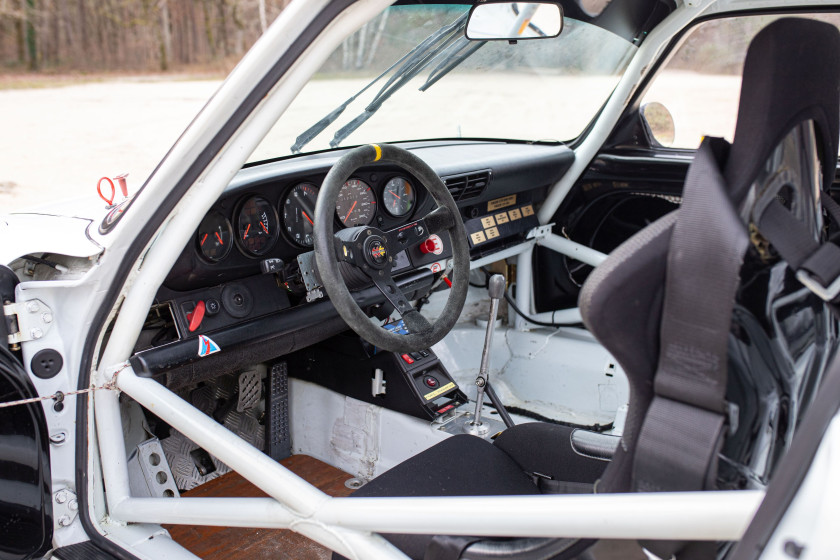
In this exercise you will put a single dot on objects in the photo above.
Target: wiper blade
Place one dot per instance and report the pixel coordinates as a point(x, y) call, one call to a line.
point(452, 52)
point(407, 63)
point(450, 61)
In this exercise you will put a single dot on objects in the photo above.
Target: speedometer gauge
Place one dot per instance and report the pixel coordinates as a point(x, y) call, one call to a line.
point(398, 197)
point(298, 210)
point(256, 226)
point(356, 204)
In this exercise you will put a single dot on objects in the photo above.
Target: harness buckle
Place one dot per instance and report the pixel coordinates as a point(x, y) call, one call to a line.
point(826, 293)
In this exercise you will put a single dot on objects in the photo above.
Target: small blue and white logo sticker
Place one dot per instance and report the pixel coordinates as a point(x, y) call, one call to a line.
point(206, 346)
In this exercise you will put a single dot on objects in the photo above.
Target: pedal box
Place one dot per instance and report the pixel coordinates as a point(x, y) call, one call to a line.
point(414, 383)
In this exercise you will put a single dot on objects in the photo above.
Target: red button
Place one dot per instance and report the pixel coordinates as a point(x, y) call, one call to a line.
point(430, 381)
point(408, 359)
point(433, 245)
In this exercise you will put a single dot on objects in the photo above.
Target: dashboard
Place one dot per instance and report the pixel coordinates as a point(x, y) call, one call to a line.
point(245, 280)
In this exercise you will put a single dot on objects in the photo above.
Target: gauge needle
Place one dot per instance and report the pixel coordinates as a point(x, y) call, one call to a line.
point(247, 229)
point(395, 194)
point(265, 229)
point(203, 239)
point(351, 210)
point(308, 219)
point(219, 237)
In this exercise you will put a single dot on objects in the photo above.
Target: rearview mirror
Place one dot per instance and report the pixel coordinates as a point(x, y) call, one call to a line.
point(513, 21)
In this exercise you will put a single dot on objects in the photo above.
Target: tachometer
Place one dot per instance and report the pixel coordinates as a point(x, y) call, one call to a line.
point(356, 204)
point(398, 197)
point(298, 209)
point(256, 226)
point(215, 237)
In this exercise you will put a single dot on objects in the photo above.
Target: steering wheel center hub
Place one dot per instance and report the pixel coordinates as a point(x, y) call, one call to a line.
point(375, 252)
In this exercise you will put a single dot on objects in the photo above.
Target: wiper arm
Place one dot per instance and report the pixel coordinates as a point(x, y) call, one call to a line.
point(407, 63)
point(451, 53)
point(394, 84)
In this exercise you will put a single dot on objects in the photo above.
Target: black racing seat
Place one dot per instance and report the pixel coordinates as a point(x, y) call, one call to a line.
point(642, 306)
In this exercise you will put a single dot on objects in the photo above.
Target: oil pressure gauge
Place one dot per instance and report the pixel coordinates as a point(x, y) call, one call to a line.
point(398, 197)
point(215, 237)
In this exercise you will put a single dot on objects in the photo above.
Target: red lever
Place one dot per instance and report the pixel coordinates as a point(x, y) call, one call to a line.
point(196, 316)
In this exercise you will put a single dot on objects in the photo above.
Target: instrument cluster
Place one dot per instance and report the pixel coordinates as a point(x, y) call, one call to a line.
point(257, 223)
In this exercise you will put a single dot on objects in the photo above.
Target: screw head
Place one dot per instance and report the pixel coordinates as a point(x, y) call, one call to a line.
point(33, 307)
point(60, 497)
point(36, 333)
point(64, 521)
point(47, 317)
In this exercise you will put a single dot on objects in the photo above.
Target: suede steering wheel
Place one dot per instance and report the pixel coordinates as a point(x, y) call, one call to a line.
point(366, 254)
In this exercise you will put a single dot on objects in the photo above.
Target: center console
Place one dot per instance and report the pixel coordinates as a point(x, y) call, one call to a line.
point(415, 383)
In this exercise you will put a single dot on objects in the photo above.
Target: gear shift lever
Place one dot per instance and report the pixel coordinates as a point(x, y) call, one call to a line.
point(496, 288)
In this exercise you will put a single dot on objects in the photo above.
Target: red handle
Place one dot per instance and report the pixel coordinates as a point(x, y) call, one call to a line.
point(196, 316)
point(110, 201)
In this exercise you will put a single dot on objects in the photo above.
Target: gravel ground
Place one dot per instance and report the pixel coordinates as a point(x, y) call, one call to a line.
point(59, 141)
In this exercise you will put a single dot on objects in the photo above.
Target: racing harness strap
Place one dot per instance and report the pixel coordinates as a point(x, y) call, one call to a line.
point(683, 428)
point(817, 265)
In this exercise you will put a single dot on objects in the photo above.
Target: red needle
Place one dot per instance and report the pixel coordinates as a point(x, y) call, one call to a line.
point(395, 194)
point(308, 219)
point(219, 237)
point(247, 229)
point(351, 210)
point(203, 239)
point(265, 229)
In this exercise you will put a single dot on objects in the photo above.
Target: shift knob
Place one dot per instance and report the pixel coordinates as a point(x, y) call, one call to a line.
point(496, 286)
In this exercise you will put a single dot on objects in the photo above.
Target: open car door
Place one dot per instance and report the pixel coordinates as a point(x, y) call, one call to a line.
point(25, 495)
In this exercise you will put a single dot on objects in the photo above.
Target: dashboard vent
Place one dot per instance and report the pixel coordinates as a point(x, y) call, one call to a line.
point(467, 185)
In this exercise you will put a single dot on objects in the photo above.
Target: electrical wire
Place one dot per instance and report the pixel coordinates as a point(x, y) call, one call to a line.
point(513, 306)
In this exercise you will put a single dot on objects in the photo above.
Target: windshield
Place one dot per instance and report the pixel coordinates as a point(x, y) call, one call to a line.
point(410, 74)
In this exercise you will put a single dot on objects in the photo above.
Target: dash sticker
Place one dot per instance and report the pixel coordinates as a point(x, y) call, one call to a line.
point(442, 390)
point(206, 346)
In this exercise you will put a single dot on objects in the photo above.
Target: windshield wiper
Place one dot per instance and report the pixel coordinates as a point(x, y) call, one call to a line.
point(446, 44)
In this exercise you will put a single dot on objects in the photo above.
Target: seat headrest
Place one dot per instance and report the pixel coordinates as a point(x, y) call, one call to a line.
point(791, 74)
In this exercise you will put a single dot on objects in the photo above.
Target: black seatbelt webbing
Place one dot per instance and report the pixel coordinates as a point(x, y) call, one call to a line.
point(682, 431)
point(798, 245)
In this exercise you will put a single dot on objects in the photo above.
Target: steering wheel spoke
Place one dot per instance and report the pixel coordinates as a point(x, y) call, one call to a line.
point(411, 235)
point(439, 220)
point(415, 322)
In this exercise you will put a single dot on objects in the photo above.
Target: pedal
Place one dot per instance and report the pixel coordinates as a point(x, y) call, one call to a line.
point(249, 391)
point(278, 444)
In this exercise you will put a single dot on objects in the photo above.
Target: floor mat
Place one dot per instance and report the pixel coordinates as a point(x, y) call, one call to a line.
point(234, 543)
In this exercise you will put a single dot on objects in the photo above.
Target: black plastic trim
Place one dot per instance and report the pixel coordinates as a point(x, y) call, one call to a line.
point(265, 329)
point(82, 551)
point(318, 24)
